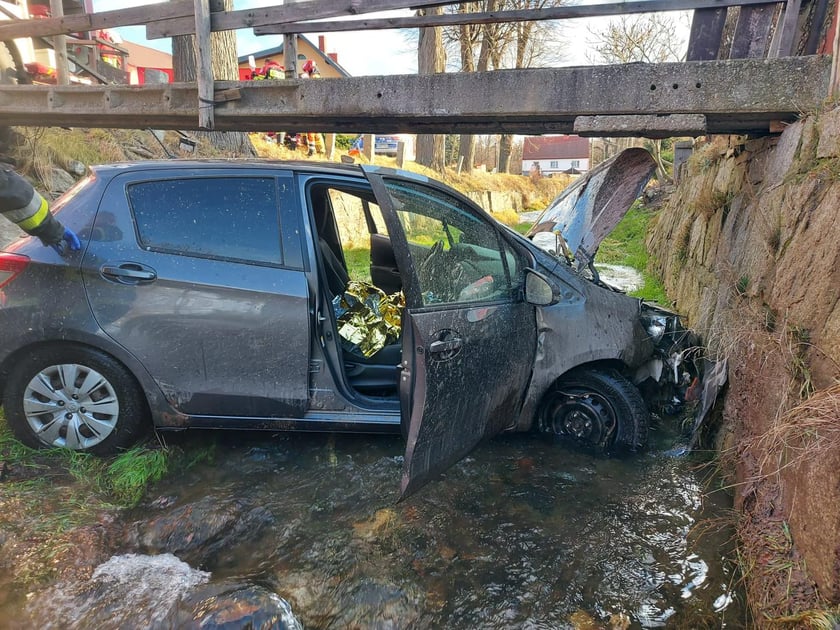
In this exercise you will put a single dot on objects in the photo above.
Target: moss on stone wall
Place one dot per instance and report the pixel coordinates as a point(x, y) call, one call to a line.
point(749, 248)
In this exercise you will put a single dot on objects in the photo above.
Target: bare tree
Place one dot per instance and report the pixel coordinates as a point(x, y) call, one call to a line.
point(647, 38)
point(431, 59)
point(531, 43)
point(484, 47)
point(468, 36)
point(225, 67)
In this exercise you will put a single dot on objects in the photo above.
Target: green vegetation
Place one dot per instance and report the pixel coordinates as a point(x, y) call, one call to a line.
point(358, 263)
point(522, 228)
point(626, 246)
point(118, 481)
point(49, 494)
point(344, 141)
point(129, 473)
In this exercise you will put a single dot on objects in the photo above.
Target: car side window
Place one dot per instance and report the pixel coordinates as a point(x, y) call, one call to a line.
point(232, 218)
point(458, 256)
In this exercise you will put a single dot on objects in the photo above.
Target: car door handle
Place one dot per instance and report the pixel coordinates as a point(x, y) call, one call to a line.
point(446, 345)
point(128, 273)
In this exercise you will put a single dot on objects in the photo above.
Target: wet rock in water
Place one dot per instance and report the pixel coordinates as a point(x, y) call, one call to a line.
point(198, 531)
point(233, 605)
point(383, 521)
point(126, 591)
point(138, 591)
point(348, 602)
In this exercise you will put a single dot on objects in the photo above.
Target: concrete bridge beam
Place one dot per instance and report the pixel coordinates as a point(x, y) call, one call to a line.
point(735, 96)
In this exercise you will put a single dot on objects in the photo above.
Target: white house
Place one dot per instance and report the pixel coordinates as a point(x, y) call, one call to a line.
point(555, 154)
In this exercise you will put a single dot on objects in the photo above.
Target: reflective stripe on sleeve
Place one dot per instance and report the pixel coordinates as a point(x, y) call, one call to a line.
point(35, 219)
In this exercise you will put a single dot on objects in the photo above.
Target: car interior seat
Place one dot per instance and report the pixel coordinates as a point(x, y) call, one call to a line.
point(374, 375)
point(337, 276)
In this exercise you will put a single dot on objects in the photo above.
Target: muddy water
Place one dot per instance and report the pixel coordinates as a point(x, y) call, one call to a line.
point(524, 533)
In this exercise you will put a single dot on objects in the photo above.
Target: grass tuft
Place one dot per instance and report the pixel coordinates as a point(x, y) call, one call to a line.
point(626, 245)
point(131, 472)
point(808, 430)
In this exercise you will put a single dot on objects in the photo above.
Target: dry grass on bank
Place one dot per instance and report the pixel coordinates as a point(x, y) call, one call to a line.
point(808, 430)
point(781, 430)
point(536, 193)
point(37, 150)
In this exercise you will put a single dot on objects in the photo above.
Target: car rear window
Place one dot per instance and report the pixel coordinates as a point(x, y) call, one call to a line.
point(222, 217)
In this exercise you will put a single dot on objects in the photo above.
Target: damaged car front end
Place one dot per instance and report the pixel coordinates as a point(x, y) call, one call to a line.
point(620, 358)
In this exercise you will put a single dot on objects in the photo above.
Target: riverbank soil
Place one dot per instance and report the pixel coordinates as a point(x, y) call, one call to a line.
point(748, 249)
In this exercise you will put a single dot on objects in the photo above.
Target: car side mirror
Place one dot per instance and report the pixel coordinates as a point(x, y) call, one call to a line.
point(537, 289)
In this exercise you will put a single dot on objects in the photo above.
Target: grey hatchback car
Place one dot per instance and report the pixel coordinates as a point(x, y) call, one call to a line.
point(204, 292)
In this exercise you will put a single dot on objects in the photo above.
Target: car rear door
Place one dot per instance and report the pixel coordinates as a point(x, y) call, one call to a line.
point(200, 274)
point(469, 337)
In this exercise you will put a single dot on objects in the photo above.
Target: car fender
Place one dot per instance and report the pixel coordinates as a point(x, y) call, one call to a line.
point(603, 327)
point(159, 407)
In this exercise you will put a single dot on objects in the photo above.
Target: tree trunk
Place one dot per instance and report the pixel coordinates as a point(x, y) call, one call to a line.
point(505, 149)
point(466, 142)
point(661, 171)
point(225, 68)
point(431, 60)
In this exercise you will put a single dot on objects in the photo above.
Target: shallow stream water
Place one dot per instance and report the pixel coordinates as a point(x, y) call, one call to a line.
point(524, 533)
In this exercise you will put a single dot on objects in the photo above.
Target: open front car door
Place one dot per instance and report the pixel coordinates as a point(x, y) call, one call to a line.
point(469, 337)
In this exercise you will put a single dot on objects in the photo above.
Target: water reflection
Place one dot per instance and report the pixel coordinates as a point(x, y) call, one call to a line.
point(523, 533)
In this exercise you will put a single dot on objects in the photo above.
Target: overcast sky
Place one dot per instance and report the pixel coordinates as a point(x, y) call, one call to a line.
point(360, 53)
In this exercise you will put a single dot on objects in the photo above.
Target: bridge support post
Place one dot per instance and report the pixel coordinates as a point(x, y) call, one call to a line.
point(203, 65)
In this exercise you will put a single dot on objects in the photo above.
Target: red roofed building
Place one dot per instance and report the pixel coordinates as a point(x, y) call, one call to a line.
point(555, 154)
point(147, 65)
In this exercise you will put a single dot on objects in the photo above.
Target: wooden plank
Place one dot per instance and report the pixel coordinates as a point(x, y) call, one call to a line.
point(203, 64)
point(62, 68)
point(782, 44)
point(95, 21)
point(735, 96)
point(306, 10)
point(812, 44)
point(752, 32)
point(290, 56)
point(522, 15)
point(706, 33)
point(368, 146)
point(329, 146)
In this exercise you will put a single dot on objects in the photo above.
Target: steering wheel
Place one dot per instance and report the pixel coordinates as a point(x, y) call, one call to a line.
point(432, 273)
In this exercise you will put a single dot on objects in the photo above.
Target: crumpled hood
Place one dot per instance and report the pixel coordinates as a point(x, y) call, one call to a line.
point(588, 210)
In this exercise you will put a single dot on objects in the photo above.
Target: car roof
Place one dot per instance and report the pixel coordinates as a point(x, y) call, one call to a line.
point(105, 172)
point(109, 170)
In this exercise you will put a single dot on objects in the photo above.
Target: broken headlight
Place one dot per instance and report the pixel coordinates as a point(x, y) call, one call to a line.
point(655, 326)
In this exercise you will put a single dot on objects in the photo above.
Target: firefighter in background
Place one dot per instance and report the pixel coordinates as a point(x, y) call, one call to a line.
point(22, 205)
point(107, 52)
point(273, 71)
point(314, 141)
point(270, 70)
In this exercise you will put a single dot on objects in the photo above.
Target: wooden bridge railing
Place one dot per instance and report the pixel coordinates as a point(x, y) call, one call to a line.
point(751, 39)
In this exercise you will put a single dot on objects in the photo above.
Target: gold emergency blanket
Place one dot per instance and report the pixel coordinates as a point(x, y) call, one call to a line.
point(368, 318)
